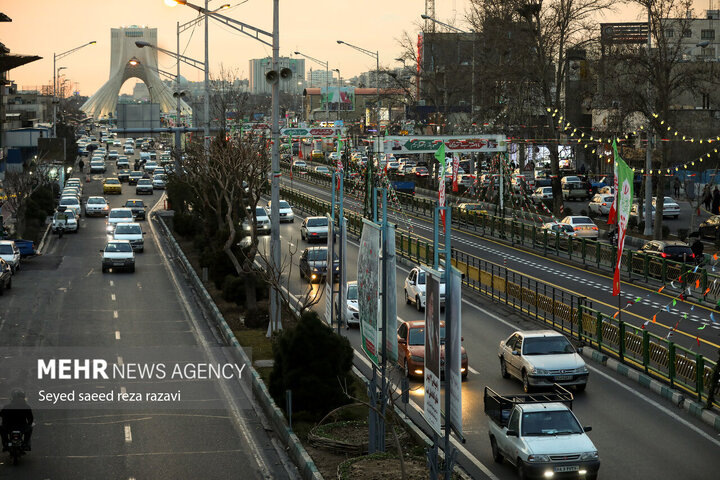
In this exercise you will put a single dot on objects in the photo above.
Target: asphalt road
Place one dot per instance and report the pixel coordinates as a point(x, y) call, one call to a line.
point(637, 434)
point(62, 299)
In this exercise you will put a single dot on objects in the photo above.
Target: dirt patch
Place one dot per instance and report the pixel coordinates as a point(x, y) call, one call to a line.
point(382, 467)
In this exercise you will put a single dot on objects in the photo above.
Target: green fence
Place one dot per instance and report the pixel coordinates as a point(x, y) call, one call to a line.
point(557, 308)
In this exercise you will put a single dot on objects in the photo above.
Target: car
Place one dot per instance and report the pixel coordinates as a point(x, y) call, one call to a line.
point(541, 359)
point(670, 207)
point(150, 166)
point(313, 264)
point(570, 179)
point(635, 212)
point(96, 206)
point(584, 226)
point(70, 192)
point(158, 182)
point(474, 208)
point(160, 171)
point(5, 276)
point(554, 228)
point(540, 194)
point(112, 185)
point(710, 228)
point(600, 204)
point(66, 220)
point(118, 215)
point(286, 211)
point(322, 169)
point(393, 167)
point(129, 150)
point(71, 203)
point(144, 185)
point(132, 232)
point(262, 222)
point(421, 172)
point(122, 162)
point(466, 180)
point(314, 229)
point(113, 155)
point(118, 254)
point(137, 206)
point(300, 164)
point(414, 288)
point(11, 254)
point(352, 310)
point(317, 155)
point(75, 183)
point(411, 349)
point(134, 177)
point(576, 190)
point(123, 175)
point(669, 250)
point(97, 166)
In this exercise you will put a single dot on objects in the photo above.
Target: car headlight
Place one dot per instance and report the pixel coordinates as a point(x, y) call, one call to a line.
point(589, 455)
point(538, 458)
point(540, 371)
point(582, 369)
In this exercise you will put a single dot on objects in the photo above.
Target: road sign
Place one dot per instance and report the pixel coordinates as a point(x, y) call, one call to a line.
point(453, 143)
point(312, 132)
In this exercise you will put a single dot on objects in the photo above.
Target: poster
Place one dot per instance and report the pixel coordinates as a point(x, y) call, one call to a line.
point(342, 245)
point(330, 270)
point(340, 99)
point(390, 296)
point(453, 344)
point(431, 407)
point(368, 275)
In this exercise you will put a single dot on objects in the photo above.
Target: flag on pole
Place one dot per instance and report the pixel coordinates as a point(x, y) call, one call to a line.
point(455, 169)
point(440, 156)
point(624, 180)
point(612, 216)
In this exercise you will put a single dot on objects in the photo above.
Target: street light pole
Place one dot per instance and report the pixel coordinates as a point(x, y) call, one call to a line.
point(339, 84)
point(648, 150)
point(327, 84)
point(56, 57)
point(275, 172)
point(207, 81)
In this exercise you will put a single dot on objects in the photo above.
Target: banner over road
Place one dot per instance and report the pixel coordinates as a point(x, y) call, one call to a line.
point(453, 143)
point(313, 132)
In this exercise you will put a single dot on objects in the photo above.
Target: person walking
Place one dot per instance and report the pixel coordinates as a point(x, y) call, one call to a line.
point(676, 186)
point(81, 165)
point(716, 201)
point(707, 197)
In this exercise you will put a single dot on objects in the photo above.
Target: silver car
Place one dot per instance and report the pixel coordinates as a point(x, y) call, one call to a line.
point(314, 229)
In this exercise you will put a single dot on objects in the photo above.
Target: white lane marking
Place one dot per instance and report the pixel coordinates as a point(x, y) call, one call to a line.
point(473, 371)
point(139, 285)
point(112, 283)
point(112, 297)
point(128, 434)
point(123, 390)
point(117, 334)
point(120, 361)
point(115, 314)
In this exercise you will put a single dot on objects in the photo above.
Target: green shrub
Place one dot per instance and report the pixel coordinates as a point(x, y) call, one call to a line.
point(218, 265)
point(314, 375)
point(233, 289)
point(259, 317)
point(185, 224)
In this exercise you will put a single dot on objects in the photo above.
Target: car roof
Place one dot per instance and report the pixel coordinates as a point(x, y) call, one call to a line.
point(118, 241)
point(543, 407)
point(419, 323)
point(539, 333)
point(121, 209)
point(128, 223)
point(315, 248)
point(134, 200)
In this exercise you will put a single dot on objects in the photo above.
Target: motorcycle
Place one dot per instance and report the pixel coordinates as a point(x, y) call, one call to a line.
point(16, 446)
point(60, 230)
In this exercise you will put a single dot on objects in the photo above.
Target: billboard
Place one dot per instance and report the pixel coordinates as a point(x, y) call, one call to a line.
point(453, 340)
point(340, 99)
point(453, 143)
point(368, 279)
point(390, 296)
point(138, 115)
point(431, 406)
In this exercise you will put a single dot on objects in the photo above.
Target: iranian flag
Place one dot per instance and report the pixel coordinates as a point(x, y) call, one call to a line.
point(624, 181)
point(612, 215)
point(440, 156)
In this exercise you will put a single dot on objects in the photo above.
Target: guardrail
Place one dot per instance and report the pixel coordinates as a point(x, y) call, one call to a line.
point(557, 308)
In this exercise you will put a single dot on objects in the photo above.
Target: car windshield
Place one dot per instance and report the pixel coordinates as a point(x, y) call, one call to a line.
point(283, 204)
point(352, 292)
point(260, 212)
point(68, 201)
point(560, 422)
point(120, 214)
point(144, 181)
point(136, 174)
point(581, 220)
point(134, 203)
point(93, 200)
point(417, 336)
point(317, 222)
point(317, 255)
point(128, 229)
point(554, 345)
point(118, 247)
point(113, 181)
point(6, 249)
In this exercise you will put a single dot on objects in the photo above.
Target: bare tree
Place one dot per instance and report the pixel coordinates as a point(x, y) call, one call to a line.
point(228, 97)
point(20, 185)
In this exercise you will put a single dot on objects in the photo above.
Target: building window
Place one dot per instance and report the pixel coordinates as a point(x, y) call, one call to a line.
point(133, 33)
point(687, 33)
point(669, 33)
point(707, 34)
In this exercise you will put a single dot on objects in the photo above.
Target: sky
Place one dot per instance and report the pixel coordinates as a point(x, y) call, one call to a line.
point(45, 27)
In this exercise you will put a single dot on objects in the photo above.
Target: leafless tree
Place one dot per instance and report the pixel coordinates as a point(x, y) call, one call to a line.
point(228, 97)
point(20, 185)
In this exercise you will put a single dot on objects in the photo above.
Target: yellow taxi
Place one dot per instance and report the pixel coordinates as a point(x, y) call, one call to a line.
point(317, 155)
point(473, 208)
point(112, 185)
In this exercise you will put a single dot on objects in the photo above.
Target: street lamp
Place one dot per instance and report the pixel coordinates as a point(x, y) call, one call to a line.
point(56, 57)
point(375, 55)
point(339, 84)
point(327, 86)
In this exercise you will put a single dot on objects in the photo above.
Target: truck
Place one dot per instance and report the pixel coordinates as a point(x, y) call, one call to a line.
point(404, 187)
point(540, 435)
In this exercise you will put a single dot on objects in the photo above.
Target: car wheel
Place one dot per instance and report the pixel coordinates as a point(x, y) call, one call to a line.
point(497, 456)
point(526, 382)
point(580, 388)
point(132, 269)
point(417, 303)
point(522, 472)
point(9, 284)
point(407, 299)
point(503, 368)
point(104, 269)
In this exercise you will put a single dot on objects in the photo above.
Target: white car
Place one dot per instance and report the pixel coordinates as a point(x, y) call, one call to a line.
point(97, 166)
point(96, 206)
point(132, 232)
point(415, 289)
point(10, 253)
point(570, 179)
point(286, 211)
point(66, 220)
point(299, 164)
point(122, 162)
point(601, 204)
point(113, 155)
point(541, 358)
point(118, 215)
point(118, 254)
point(70, 192)
point(540, 194)
point(150, 167)
point(562, 229)
point(584, 226)
point(670, 207)
point(322, 169)
point(71, 203)
point(262, 225)
point(352, 309)
point(314, 229)
point(74, 182)
point(129, 150)
point(158, 182)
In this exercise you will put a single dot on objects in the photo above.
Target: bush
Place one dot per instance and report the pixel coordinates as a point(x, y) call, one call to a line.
point(185, 224)
point(218, 265)
point(233, 289)
point(259, 317)
point(314, 375)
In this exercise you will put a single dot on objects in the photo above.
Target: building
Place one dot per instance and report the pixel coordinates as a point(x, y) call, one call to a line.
point(260, 66)
point(319, 77)
point(353, 105)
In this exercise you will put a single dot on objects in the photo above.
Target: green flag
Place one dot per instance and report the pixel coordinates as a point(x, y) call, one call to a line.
point(440, 155)
point(625, 176)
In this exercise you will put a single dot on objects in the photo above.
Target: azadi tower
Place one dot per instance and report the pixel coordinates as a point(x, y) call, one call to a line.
point(127, 61)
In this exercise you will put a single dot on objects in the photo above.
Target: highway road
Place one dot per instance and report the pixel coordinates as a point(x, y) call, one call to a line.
point(596, 286)
point(637, 434)
point(62, 299)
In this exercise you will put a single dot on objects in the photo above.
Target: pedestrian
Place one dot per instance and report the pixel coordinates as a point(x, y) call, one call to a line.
point(676, 186)
point(81, 165)
point(716, 201)
point(697, 248)
point(707, 196)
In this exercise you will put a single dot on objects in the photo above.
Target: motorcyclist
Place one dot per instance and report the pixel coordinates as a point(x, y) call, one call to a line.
point(16, 415)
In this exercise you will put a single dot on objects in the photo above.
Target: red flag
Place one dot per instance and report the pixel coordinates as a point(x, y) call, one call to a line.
point(698, 340)
point(300, 151)
point(612, 216)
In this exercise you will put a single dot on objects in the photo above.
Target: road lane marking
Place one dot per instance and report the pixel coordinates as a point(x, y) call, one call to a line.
point(472, 370)
point(128, 434)
point(112, 284)
point(120, 361)
point(115, 314)
point(117, 334)
point(123, 390)
point(112, 297)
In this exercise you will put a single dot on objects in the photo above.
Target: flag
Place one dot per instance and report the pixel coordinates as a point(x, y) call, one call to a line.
point(440, 156)
point(455, 169)
point(612, 216)
point(624, 203)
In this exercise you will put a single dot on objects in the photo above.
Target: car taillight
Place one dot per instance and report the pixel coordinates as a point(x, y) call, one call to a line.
point(594, 228)
point(663, 255)
point(604, 204)
point(692, 255)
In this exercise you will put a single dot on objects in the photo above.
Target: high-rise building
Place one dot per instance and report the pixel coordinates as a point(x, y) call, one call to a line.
point(316, 78)
point(293, 85)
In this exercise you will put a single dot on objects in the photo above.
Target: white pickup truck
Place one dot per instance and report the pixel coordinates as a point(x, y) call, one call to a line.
point(540, 435)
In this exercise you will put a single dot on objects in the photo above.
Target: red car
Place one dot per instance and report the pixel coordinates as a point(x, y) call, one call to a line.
point(411, 349)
